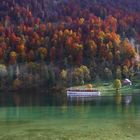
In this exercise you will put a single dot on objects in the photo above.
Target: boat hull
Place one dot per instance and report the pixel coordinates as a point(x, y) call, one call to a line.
point(83, 93)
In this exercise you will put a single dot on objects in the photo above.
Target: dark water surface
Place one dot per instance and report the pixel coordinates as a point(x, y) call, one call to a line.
point(43, 116)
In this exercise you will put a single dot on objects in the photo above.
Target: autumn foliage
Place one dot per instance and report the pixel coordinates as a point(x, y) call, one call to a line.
point(85, 31)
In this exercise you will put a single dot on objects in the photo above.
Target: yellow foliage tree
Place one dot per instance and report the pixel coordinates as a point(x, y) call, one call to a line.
point(117, 84)
point(63, 74)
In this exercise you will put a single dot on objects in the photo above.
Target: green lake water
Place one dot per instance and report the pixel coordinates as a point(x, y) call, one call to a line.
point(37, 116)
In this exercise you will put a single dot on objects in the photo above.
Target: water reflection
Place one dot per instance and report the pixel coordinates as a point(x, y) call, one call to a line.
point(83, 100)
point(37, 105)
point(42, 98)
point(128, 99)
point(118, 98)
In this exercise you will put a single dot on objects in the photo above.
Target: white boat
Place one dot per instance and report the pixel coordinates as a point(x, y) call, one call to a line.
point(82, 92)
point(126, 82)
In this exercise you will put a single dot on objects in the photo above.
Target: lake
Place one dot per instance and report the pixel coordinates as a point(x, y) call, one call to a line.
point(43, 116)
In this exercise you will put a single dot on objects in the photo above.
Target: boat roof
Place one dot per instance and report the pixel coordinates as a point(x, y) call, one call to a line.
point(127, 80)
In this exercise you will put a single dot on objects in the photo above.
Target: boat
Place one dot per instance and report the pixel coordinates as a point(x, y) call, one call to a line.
point(83, 92)
point(126, 82)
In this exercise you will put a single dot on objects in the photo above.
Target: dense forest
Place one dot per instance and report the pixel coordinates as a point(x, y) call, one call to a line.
point(82, 40)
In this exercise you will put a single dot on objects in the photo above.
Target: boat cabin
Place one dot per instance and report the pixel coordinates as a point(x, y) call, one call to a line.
point(126, 82)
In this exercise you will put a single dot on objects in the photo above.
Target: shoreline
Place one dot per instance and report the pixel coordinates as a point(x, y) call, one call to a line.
point(106, 89)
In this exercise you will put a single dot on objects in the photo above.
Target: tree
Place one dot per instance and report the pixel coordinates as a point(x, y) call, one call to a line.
point(118, 73)
point(43, 52)
point(86, 73)
point(17, 84)
point(117, 84)
point(52, 54)
point(31, 56)
point(63, 74)
point(125, 71)
point(3, 70)
point(108, 73)
point(13, 57)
